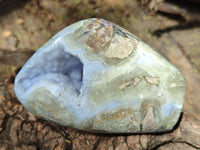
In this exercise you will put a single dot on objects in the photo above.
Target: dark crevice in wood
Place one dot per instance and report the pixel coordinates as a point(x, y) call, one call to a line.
point(96, 144)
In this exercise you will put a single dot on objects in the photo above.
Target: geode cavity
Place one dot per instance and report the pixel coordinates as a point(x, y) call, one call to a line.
point(96, 76)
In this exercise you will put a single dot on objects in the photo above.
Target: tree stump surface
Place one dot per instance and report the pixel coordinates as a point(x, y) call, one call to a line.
point(20, 129)
point(27, 25)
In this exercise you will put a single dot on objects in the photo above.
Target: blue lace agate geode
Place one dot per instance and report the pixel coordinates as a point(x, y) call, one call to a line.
point(96, 76)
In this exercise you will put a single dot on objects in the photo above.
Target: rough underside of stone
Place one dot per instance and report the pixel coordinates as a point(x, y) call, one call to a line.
point(96, 76)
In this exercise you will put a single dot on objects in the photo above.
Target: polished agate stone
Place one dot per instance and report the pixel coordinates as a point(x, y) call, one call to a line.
point(96, 76)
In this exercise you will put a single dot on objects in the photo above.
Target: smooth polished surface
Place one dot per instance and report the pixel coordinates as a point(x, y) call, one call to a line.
point(96, 76)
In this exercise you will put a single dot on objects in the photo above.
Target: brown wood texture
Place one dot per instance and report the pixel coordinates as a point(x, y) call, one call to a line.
point(20, 129)
point(29, 24)
point(187, 10)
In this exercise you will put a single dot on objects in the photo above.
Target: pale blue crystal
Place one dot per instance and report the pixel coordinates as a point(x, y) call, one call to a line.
point(96, 76)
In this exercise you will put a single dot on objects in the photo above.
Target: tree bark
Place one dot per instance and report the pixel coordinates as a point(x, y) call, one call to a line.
point(187, 10)
point(15, 58)
point(20, 129)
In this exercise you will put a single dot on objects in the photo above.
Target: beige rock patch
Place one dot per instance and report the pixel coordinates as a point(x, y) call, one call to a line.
point(120, 47)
